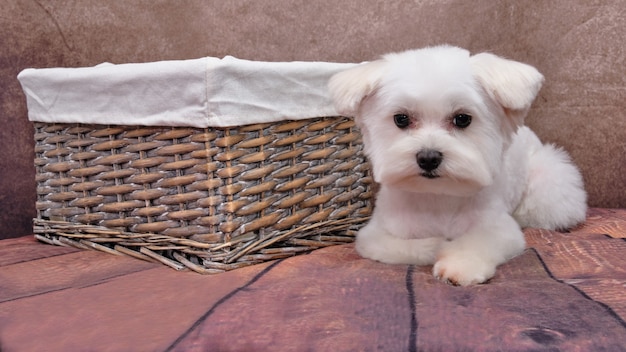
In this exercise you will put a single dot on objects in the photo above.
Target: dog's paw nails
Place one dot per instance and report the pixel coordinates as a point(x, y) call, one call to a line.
point(441, 275)
point(461, 271)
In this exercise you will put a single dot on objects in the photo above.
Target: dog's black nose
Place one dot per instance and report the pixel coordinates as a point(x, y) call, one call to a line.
point(429, 159)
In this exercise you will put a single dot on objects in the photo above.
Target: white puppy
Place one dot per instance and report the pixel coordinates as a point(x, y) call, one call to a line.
point(458, 172)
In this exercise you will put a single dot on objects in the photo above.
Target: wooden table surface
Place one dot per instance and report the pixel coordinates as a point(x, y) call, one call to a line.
point(567, 291)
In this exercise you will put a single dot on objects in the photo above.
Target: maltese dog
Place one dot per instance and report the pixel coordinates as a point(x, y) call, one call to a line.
point(459, 174)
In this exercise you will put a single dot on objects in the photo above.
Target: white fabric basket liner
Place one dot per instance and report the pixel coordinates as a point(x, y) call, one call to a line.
point(205, 92)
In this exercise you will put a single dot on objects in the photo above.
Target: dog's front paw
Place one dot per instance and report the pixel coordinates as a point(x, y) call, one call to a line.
point(371, 250)
point(391, 250)
point(463, 270)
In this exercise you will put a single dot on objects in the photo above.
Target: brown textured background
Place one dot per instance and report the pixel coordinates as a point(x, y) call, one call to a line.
point(577, 44)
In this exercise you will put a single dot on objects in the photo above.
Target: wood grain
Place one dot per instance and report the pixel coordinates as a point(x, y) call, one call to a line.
point(27, 248)
point(71, 270)
point(329, 300)
point(565, 292)
point(366, 305)
point(593, 263)
point(611, 222)
point(104, 306)
point(521, 308)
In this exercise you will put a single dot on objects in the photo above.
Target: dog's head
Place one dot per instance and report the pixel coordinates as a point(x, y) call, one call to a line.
point(436, 120)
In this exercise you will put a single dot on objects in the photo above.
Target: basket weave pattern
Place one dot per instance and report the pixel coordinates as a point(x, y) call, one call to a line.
point(206, 199)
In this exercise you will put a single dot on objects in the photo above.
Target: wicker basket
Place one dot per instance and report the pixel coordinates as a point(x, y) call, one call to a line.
point(206, 199)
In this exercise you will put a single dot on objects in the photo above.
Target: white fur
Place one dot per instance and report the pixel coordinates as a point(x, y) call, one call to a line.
point(495, 174)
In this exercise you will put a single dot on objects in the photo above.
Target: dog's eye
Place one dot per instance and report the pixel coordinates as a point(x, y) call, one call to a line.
point(462, 120)
point(402, 120)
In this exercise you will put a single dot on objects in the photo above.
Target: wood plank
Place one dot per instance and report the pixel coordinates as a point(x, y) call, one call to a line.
point(334, 300)
point(611, 222)
point(74, 269)
point(579, 254)
point(565, 292)
point(592, 263)
point(329, 300)
point(610, 292)
point(23, 249)
point(141, 311)
point(521, 308)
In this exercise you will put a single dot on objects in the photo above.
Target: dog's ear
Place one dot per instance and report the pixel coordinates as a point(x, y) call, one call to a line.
point(512, 84)
point(348, 88)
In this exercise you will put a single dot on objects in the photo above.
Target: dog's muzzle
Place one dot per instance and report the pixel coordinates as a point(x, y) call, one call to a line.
point(429, 160)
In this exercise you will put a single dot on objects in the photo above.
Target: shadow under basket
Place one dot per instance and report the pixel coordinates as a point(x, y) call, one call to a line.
point(206, 199)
